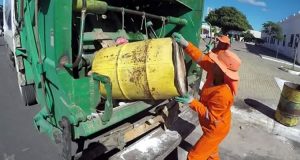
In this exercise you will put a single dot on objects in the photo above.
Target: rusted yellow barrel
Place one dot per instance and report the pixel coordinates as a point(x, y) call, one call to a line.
point(150, 69)
point(288, 109)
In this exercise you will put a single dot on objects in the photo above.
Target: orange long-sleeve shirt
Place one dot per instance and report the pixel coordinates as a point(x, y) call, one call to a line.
point(215, 101)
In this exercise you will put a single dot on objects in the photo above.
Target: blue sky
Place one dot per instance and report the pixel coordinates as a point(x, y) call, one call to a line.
point(258, 11)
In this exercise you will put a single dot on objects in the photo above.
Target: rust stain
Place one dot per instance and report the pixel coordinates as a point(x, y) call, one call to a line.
point(138, 73)
point(152, 70)
point(126, 55)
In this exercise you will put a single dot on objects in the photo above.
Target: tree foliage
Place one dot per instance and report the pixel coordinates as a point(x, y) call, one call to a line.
point(248, 37)
point(228, 18)
point(273, 29)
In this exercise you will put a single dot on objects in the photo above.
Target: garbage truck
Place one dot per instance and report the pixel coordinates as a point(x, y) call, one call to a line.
point(104, 72)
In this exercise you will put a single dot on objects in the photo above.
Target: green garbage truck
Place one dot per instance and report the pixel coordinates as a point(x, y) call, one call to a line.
point(54, 44)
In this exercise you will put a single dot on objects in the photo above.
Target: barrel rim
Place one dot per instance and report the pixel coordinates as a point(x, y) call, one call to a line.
point(178, 55)
point(295, 87)
point(291, 91)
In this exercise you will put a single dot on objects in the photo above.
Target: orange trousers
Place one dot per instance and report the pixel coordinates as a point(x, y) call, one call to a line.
point(207, 147)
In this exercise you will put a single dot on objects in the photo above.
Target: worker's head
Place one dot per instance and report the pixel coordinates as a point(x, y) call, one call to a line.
point(226, 69)
point(223, 42)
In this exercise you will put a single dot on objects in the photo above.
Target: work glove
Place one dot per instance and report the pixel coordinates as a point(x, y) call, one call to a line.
point(180, 40)
point(185, 99)
point(209, 47)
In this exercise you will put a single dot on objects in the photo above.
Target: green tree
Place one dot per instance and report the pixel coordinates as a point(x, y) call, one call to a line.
point(248, 37)
point(273, 30)
point(228, 18)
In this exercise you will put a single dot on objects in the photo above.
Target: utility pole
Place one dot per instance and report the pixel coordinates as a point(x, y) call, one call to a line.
point(295, 51)
point(277, 50)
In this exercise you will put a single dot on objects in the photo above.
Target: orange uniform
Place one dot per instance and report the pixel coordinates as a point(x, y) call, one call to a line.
point(213, 110)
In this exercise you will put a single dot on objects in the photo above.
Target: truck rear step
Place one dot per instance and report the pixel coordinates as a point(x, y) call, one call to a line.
point(154, 146)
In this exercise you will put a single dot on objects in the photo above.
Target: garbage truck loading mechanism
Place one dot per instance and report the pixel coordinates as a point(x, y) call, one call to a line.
point(55, 44)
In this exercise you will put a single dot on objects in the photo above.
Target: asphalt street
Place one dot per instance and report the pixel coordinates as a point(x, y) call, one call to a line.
point(18, 137)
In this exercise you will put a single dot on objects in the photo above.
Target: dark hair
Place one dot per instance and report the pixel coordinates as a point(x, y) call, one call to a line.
point(225, 46)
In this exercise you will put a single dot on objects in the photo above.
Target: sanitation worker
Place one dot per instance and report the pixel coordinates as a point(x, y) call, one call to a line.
point(223, 44)
point(216, 96)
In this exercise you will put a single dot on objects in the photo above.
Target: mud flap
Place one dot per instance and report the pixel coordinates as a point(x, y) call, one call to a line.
point(154, 146)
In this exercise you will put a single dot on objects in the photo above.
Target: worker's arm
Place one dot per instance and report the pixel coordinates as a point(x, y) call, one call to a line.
point(216, 107)
point(203, 60)
point(213, 112)
point(193, 103)
point(198, 107)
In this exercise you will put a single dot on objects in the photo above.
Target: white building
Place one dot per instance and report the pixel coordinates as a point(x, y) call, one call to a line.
point(291, 33)
point(205, 30)
point(256, 34)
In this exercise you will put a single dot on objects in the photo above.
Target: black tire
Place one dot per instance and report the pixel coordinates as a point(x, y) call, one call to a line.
point(12, 59)
point(67, 147)
point(28, 93)
point(66, 142)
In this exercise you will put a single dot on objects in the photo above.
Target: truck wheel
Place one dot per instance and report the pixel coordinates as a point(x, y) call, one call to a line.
point(66, 141)
point(12, 60)
point(28, 93)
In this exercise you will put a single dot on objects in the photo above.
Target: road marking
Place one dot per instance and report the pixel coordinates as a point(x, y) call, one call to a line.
point(277, 60)
point(9, 157)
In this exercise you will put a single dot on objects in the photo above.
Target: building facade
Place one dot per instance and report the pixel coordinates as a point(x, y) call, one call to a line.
point(291, 35)
point(256, 34)
point(205, 30)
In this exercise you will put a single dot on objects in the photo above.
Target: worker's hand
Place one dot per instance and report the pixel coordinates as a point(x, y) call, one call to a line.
point(185, 99)
point(209, 47)
point(180, 40)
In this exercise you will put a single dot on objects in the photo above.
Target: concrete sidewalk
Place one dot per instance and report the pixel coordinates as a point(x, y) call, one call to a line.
point(259, 93)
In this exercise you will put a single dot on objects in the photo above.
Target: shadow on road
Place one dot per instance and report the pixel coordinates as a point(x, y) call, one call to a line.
point(260, 50)
point(184, 127)
point(266, 110)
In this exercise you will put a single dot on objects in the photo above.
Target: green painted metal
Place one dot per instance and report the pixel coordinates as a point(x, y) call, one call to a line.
point(95, 124)
point(130, 36)
point(178, 21)
point(93, 6)
point(108, 108)
point(72, 92)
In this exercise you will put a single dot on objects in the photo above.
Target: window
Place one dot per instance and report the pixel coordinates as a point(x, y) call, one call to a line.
point(271, 40)
point(277, 42)
point(297, 40)
point(291, 41)
point(283, 42)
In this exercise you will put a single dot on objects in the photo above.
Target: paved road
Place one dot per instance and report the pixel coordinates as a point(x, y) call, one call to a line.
point(18, 137)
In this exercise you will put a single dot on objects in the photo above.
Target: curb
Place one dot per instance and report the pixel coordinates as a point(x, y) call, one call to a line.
point(291, 71)
point(267, 123)
point(277, 60)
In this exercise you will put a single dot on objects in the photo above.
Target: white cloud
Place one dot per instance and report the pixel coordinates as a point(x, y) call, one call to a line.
point(254, 2)
point(264, 9)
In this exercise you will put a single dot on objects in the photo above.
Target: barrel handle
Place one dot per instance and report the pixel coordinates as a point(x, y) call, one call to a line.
point(108, 102)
